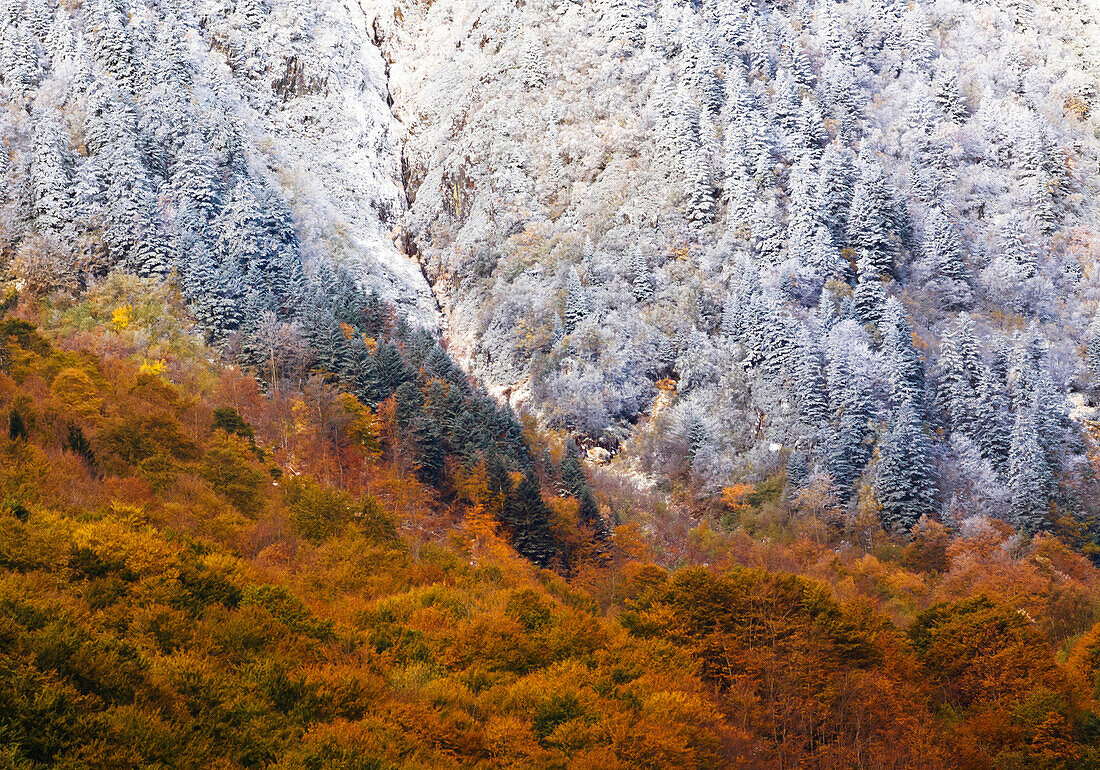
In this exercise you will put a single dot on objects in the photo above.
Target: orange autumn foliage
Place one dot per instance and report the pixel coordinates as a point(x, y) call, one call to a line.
point(180, 586)
point(734, 497)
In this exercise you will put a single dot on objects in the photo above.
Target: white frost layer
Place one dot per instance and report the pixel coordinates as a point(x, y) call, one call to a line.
point(334, 145)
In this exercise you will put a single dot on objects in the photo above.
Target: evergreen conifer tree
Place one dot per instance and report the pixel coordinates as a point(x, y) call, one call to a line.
point(699, 188)
point(870, 293)
point(905, 370)
point(810, 385)
point(532, 63)
point(948, 98)
point(836, 183)
point(51, 174)
point(869, 219)
point(994, 421)
point(699, 72)
point(960, 372)
point(1017, 248)
point(905, 476)
point(761, 64)
point(576, 302)
point(950, 278)
point(641, 277)
point(1029, 477)
point(389, 371)
point(194, 177)
point(528, 519)
point(624, 22)
point(1092, 348)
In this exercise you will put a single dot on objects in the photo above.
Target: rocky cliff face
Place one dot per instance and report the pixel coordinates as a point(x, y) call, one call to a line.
point(319, 87)
point(316, 88)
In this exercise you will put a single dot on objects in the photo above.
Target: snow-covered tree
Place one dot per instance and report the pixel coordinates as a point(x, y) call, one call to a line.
point(51, 174)
point(959, 374)
point(905, 483)
point(576, 302)
point(993, 419)
point(810, 384)
point(948, 98)
point(1092, 348)
point(624, 21)
point(1029, 477)
point(195, 179)
point(870, 229)
point(761, 63)
point(835, 188)
point(640, 276)
point(869, 296)
point(949, 278)
point(904, 366)
point(532, 61)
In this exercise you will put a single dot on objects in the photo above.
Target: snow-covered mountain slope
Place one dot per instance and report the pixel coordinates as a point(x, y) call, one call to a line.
point(318, 89)
point(185, 124)
point(855, 240)
point(837, 227)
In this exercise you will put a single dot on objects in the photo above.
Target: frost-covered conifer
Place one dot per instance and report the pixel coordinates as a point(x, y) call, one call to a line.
point(801, 67)
point(779, 349)
point(1029, 477)
point(532, 62)
point(960, 371)
point(849, 440)
point(19, 59)
point(195, 178)
point(51, 173)
point(624, 21)
point(948, 98)
point(245, 234)
point(915, 38)
point(993, 420)
point(114, 43)
point(904, 366)
point(696, 436)
point(768, 238)
point(641, 279)
point(699, 72)
point(836, 183)
point(905, 484)
point(1017, 248)
point(801, 216)
point(199, 276)
point(825, 258)
point(787, 103)
point(759, 148)
point(950, 277)
point(699, 188)
point(869, 228)
point(252, 12)
point(1092, 348)
point(870, 293)
point(761, 63)
point(810, 386)
point(227, 300)
point(665, 109)
point(576, 302)
point(557, 330)
point(810, 130)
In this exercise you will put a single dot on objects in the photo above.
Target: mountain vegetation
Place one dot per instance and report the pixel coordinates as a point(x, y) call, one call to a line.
point(857, 237)
point(631, 383)
point(194, 571)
